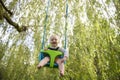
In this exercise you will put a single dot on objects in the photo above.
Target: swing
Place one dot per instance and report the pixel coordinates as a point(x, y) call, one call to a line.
point(52, 53)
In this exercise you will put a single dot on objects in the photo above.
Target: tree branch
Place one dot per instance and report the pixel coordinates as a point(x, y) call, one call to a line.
point(6, 15)
point(5, 8)
point(8, 19)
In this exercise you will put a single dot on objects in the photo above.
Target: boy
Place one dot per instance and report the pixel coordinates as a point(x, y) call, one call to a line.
point(54, 40)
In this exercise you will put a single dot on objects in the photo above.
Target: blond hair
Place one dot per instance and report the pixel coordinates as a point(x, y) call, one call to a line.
point(54, 35)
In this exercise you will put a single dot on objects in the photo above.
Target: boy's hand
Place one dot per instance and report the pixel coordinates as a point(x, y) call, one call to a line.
point(45, 49)
point(64, 59)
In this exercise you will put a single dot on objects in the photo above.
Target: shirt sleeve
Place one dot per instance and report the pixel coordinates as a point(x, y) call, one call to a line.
point(65, 51)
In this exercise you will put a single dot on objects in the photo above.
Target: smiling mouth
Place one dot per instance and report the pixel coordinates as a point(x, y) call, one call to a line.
point(53, 42)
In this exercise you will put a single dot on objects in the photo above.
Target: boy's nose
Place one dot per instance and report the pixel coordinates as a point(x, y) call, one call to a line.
point(54, 40)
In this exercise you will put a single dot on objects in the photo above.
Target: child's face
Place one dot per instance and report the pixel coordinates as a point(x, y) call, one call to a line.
point(54, 41)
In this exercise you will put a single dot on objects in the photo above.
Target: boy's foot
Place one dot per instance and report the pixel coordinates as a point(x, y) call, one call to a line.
point(61, 74)
point(39, 67)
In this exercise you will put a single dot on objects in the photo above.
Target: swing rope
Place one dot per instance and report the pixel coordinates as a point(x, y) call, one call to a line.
point(66, 23)
point(44, 33)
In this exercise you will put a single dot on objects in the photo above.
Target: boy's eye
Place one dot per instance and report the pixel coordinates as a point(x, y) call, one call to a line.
point(54, 39)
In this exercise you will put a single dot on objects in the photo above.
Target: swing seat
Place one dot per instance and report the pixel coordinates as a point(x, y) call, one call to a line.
point(53, 54)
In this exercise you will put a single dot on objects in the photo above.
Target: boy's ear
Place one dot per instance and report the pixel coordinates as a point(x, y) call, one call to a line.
point(58, 41)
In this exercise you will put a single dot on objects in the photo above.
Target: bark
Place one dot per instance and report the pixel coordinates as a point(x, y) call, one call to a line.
point(8, 19)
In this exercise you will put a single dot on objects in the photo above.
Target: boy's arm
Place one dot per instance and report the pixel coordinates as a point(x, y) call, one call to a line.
point(66, 54)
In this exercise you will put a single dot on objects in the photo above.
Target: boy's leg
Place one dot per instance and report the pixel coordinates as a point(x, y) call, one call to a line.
point(60, 66)
point(43, 62)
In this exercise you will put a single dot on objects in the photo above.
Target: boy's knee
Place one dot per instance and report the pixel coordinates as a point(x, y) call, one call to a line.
point(47, 58)
point(58, 61)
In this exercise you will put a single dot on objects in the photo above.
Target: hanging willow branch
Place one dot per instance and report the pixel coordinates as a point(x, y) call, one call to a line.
point(5, 14)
